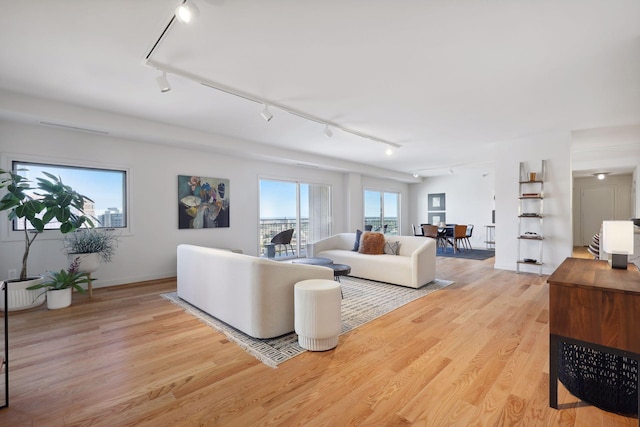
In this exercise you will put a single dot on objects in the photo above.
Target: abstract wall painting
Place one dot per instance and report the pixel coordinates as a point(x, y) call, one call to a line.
point(202, 202)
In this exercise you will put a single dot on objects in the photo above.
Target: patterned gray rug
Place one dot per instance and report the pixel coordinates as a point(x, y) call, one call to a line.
point(364, 300)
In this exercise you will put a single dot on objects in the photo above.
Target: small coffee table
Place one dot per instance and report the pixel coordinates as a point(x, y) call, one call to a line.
point(339, 270)
point(313, 261)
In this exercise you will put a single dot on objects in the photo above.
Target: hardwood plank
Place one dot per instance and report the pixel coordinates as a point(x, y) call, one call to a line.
point(474, 353)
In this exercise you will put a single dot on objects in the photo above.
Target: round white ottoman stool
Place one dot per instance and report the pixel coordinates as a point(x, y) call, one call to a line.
point(318, 319)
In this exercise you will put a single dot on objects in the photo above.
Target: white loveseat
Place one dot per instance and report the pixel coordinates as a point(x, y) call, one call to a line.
point(254, 295)
point(413, 266)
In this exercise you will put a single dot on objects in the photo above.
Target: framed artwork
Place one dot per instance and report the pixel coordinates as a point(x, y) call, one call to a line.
point(437, 202)
point(437, 217)
point(203, 202)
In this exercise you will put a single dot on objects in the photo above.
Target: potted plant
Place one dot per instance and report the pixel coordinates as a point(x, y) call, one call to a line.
point(47, 202)
point(59, 286)
point(90, 246)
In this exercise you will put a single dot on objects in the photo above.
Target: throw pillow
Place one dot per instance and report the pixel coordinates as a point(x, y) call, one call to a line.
point(391, 248)
point(372, 243)
point(356, 244)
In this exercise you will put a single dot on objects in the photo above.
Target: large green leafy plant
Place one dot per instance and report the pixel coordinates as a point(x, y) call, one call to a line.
point(50, 199)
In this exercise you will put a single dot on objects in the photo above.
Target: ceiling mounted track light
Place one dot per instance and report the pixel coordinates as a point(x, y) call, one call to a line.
point(186, 12)
point(329, 127)
point(163, 83)
point(266, 114)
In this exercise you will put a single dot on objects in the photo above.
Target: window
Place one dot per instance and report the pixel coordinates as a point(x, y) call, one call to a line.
point(382, 211)
point(106, 187)
point(304, 207)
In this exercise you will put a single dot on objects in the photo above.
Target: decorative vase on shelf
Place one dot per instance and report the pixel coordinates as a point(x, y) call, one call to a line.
point(59, 298)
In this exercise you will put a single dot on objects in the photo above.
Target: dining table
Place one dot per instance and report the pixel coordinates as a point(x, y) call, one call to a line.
point(445, 232)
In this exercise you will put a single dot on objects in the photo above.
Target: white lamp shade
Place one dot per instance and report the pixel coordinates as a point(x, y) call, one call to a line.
point(617, 237)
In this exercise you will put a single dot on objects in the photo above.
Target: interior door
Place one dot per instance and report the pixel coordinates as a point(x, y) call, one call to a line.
point(596, 204)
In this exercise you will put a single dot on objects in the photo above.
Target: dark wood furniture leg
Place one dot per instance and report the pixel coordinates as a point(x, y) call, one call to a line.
point(553, 371)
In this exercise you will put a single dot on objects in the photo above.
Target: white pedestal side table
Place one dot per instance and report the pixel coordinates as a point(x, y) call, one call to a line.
point(318, 318)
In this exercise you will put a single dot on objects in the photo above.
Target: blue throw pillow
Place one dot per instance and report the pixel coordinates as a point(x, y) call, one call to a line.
point(356, 244)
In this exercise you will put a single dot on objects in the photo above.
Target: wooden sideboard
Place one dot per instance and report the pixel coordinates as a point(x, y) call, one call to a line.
point(595, 306)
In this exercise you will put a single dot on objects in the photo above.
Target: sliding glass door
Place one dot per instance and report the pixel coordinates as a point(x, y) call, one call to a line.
point(382, 211)
point(302, 207)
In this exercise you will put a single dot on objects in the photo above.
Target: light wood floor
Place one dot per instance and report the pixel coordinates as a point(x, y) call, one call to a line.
point(475, 353)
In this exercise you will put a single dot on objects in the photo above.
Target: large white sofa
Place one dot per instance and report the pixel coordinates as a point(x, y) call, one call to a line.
point(413, 266)
point(254, 295)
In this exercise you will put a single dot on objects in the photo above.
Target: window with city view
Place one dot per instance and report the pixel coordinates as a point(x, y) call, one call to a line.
point(106, 187)
point(381, 211)
point(304, 207)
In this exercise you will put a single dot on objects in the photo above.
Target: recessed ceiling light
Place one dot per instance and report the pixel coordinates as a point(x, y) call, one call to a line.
point(389, 151)
point(601, 175)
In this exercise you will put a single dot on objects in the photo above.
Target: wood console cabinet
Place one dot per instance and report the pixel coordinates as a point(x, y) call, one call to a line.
point(594, 306)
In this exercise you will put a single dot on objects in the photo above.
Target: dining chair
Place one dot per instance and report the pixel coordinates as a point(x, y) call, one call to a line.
point(417, 231)
point(467, 238)
point(459, 234)
point(431, 231)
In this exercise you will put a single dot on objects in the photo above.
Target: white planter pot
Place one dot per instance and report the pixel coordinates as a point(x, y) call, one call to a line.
point(88, 262)
point(20, 298)
point(59, 298)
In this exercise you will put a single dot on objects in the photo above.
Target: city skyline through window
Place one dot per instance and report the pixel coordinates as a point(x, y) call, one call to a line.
point(106, 187)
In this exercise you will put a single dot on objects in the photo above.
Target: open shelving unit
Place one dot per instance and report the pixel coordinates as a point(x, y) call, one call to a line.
point(531, 217)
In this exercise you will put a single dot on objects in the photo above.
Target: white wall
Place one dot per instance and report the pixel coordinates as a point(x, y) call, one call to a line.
point(558, 243)
point(149, 252)
point(469, 199)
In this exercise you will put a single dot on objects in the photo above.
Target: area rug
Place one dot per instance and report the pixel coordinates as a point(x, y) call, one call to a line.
point(477, 254)
point(363, 301)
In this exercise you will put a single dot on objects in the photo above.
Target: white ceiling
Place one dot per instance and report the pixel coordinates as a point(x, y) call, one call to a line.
point(446, 80)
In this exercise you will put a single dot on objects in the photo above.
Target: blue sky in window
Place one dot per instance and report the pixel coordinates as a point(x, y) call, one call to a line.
point(372, 204)
point(104, 187)
point(278, 199)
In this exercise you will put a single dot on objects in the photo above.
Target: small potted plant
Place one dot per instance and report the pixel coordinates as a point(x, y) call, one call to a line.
point(89, 247)
point(59, 285)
